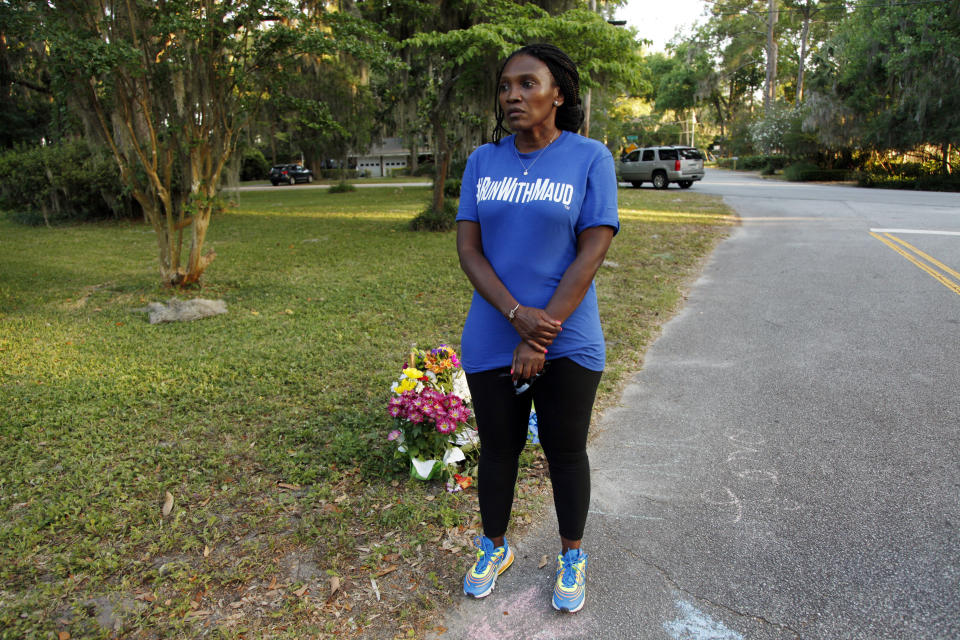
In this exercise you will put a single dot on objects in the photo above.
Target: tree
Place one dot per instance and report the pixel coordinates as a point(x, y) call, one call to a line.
point(889, 78)
point(169, 86)
point(460, 61)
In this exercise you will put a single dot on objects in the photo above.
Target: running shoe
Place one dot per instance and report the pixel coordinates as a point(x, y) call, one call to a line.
point(491, 562)
point(568, 593)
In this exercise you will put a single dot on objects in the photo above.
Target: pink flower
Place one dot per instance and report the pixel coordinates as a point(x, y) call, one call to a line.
point(415, 417)
point(393, 435)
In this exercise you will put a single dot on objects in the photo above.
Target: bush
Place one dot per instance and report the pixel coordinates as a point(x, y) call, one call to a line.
point(425, 169)
point(754, 163)
point(431, 220)
point(934, 182)
point(254, 166)
point(807, 171)
point(342, 187)
point(451, 188)
point(68, 182)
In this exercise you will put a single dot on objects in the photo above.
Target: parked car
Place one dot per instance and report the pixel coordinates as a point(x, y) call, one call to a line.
point(661, 166)
point(289, 174)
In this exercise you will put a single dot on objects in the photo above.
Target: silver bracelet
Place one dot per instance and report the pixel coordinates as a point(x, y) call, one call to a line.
point(513, 312)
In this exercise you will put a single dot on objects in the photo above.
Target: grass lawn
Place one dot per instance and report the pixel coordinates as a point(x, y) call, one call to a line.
point(266, 425)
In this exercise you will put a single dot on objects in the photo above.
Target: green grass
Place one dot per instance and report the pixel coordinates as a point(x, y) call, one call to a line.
point(266, 424)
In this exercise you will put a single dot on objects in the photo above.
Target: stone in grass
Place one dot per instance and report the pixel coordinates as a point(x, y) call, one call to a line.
point(110, 611)
point(183, 310)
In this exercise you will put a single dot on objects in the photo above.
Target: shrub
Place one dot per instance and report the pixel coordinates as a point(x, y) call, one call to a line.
point(253, 165)
point(432, 220)
point(935, 182)
point(805, 171)
point(342, 187)
point(73, 181)
point(451, 188)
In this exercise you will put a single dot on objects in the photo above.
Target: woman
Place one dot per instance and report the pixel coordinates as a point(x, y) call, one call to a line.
point(538, 210)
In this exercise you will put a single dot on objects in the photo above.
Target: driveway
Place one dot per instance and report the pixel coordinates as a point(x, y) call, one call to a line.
point(787, 463)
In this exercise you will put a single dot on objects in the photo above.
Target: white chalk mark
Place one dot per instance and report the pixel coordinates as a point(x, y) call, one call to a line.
point(693, 624)
point(746, 451)
point(742, 436)
point(759, 472)
point(622, 515)
point(929, 232)
point(734, 501)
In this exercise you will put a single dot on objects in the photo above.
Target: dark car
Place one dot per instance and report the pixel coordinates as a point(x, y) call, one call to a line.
point(289, 174)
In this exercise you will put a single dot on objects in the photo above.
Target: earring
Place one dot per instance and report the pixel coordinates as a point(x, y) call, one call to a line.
point(556, 103)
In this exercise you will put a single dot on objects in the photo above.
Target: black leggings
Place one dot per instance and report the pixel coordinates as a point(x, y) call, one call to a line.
point(564, 397)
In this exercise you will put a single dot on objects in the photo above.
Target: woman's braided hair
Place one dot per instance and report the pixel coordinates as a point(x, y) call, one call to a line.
point(565, 74)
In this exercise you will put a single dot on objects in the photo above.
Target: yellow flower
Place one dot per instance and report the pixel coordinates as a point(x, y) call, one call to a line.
point(412, 373)
point(406, 384)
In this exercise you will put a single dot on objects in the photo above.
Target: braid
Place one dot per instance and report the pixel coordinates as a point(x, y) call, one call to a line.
point(565, 74)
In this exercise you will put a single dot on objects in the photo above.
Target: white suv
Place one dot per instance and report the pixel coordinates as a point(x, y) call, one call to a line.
point(661, 166)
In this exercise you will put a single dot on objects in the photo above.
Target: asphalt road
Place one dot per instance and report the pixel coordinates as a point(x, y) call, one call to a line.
point(787, 463)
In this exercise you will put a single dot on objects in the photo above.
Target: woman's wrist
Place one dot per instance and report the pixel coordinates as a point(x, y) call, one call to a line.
point(512, 313)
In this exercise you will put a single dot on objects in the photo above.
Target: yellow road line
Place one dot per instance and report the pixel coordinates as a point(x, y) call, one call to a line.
point(929, 259)
point(942, 279)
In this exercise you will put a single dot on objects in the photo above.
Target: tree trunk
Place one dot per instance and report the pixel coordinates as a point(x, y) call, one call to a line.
point(770, 89)
point(719, 108)
point(946, 168)
point(804, 35)
point(441, 160)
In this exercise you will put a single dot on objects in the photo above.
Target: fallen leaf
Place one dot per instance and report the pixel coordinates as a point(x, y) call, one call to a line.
point(206, 502)
point(292, 487)
point(273, 584)
point(429, 498)
point(63, 635)
point(206, 551)
point(301, 591)
point(543, 562)
point(236, 605)
point(167, 504)
point(387, 570)
point(376, 590)
point(334, 587)
point(147, 597)
point(340, 499)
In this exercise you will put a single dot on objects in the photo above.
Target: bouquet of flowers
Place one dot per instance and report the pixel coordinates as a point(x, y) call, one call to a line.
point(429, 407)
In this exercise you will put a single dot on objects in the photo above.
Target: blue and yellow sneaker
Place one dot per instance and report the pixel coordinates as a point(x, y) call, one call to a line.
point(568, 592)
point(491, 562)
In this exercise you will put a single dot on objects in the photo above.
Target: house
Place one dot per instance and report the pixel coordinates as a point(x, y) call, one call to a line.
point(386, 158)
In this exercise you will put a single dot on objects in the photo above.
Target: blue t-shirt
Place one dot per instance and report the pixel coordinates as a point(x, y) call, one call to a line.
point(529, 227)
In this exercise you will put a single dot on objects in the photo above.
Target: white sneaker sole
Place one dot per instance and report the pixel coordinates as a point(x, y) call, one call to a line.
point(508, 562)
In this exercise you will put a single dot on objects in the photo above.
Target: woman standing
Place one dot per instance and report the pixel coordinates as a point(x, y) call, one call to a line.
point(538, 210)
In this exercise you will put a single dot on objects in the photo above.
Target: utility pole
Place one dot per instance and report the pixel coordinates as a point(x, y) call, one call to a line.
point(770, 89)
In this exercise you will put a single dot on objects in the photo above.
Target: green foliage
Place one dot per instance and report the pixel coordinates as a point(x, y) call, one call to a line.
point(432, 220)
point(254, 166)
point(768, 132)
point(807, 171)
point(889, 77)
point(341, 187)
point(754, 163)
point(69, 182)
point(451, 188)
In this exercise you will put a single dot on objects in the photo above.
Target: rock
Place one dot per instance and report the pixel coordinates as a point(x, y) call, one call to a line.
point(183, 310)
